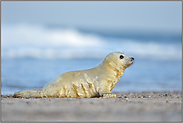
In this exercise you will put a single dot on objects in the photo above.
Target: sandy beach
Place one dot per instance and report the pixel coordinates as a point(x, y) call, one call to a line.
point(142, 106)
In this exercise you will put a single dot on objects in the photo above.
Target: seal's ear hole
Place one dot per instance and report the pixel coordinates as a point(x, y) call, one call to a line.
point(121, 56)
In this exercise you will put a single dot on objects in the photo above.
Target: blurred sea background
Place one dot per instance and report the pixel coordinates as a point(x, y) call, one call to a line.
point(41, 40)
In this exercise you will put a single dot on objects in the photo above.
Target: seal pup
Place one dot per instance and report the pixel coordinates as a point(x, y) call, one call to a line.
point(95, 82)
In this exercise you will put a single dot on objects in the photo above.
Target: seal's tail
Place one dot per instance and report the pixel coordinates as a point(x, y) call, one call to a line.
point(30, 93)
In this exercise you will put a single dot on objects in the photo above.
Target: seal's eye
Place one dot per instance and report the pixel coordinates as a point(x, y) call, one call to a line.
point(121, 56)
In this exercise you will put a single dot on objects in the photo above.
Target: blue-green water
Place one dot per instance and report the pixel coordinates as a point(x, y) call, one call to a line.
point(143, 75)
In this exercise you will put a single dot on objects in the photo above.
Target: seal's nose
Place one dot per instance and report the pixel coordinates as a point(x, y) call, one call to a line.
point(132, 58)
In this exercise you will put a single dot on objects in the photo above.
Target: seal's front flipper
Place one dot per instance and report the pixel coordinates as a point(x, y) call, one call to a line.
point(105, 93)
point(109, 95)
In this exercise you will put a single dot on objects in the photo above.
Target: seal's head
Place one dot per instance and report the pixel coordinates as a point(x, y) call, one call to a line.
point(118, 60)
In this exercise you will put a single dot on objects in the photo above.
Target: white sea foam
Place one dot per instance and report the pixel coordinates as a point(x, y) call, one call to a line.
point(43, 43)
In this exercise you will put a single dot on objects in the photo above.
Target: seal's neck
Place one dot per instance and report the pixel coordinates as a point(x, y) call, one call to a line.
point(117, 71)
point(113, 73)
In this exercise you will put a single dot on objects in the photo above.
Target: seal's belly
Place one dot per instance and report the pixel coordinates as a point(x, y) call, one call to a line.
point(73, 84)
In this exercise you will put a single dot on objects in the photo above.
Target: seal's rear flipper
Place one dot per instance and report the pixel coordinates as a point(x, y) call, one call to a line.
point(30, 93)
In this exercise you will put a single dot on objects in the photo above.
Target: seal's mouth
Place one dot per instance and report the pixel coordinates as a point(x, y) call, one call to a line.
point(130, 62)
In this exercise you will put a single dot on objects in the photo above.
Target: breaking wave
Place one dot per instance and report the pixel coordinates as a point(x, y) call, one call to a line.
point(32, 41)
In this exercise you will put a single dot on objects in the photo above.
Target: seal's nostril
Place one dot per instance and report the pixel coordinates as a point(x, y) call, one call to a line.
point(132, 58)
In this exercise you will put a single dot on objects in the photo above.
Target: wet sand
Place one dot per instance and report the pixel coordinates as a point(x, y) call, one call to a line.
point(144, 106)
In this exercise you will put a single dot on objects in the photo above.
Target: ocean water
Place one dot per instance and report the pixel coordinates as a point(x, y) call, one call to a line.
point(31, 56)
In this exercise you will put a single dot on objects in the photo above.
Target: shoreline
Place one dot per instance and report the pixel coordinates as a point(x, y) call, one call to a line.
point(116, 92)
point(127, 106)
